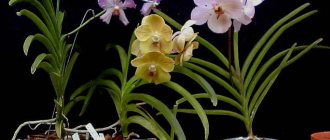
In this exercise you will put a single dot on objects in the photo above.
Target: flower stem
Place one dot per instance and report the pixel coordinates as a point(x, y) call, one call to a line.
point(84, 24)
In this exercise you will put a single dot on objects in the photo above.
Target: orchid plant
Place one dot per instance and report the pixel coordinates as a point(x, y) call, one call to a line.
point(247, 84)
point(158, 52)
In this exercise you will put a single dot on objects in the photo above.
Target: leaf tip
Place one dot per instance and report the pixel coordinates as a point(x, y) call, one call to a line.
point(18, 13)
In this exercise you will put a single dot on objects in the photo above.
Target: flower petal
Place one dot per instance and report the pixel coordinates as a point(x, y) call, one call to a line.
point(237, 25)
point(165, 47)
point(157, 58)
point(143, 32)
point(233, 7)
point(136, 48)
point(249, 10)
point(156, 22)
point(244, 19)
point(143, 73)
point(188, 33)
point(148, 46)
point(128, 4)
point(106, 17)
point(255, 2)
point(204, 3)
point(178, 43)
point(188, 24)
point(200, 15)
point(161, 76)
point(146, 8)
point(122, 17)
point(188, 53)
point(166, 33)
point(219, 25)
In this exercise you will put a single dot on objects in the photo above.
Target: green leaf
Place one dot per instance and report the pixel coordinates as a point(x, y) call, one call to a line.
point(68, 69)
point(60, 17)
point(215, 112)
point(81, 89)
point(122, 54)
point(265, 37)
point(41, 38)
point(215, 78)
point(269, 81)
point(110, 72)
point(201, 81)
point(46, 67)
point(270, 43)
point(193, 102)
point(211, 66)
point(73, 102)
point(219, 97)
point(162, 108)
point(55, 78)
point(37, 61)
point(58, 128)
point(38, 22)
point(149, 126)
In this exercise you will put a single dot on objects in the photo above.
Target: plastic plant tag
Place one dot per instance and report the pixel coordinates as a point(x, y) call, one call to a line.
point(101, 136)
point(92, 131)
point(75, 136)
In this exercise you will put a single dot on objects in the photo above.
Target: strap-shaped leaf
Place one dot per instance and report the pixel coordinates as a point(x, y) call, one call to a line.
point(265, 37)
point(38, 22)
point(81, 89)
point(161, 107)
point(149, 126)
point(219, 97)
point(216, 112)
point(122, 55)
point(69, 68)
point(37, 61)
point(201, 81)
point(99, 82)
point(269, 79)
point(270, 43)
point(111, 72)
point(48, 4)
point(41, 38)
point(216, 79)
point(193, 102)
point(46, 67)
point(139, 110)
point(211, 66)
point(60, 18)
point(73, 102)
point(55, 78)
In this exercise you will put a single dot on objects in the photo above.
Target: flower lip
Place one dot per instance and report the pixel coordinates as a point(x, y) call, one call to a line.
point(155, 38)
point(152, 70)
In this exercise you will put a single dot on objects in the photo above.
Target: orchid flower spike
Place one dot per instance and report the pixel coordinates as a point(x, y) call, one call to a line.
point(249, 11)
point(148, 5)
point(116, 8)
point(217, 13)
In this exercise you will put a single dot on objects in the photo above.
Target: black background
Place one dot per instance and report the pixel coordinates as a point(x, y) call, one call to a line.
point(296, 106)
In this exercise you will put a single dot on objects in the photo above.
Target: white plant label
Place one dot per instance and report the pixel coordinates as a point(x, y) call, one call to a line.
point(92, 131)
point(75, 136)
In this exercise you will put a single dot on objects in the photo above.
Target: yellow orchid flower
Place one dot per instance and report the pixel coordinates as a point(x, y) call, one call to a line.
point(153, 67)
point(154, 35)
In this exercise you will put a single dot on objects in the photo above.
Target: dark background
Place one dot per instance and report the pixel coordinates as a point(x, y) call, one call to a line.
point(296, 106)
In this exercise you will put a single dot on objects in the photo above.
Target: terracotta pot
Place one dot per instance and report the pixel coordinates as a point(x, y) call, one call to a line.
point(321, 135)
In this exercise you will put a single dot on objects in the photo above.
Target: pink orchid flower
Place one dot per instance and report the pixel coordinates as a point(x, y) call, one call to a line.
point(249, 12)
point(148, 5)
point(116, 8)
point(217, 13)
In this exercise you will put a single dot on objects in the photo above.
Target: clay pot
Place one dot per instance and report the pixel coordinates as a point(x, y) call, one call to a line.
point(321, 135)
